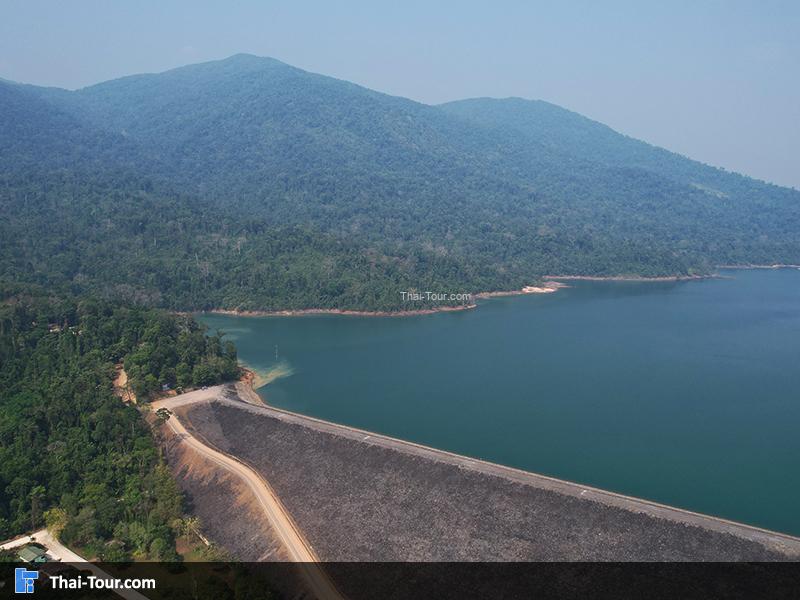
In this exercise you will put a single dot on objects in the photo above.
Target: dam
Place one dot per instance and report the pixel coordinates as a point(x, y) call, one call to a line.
point(360, 496)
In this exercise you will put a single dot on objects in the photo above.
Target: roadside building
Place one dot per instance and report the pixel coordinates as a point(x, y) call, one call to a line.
point(33, 553)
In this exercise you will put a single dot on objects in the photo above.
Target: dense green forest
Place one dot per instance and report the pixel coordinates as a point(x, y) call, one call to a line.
point(249, 184)
point(140, 245)
point(72, 455)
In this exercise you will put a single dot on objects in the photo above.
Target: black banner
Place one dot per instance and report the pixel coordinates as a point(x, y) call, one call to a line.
point(396, 581)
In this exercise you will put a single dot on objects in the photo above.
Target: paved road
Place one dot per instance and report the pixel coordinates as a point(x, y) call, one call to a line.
point(20, 541)
point(283, 525)
point(61, 553)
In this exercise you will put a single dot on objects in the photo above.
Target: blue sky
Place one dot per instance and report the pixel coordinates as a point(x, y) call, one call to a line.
point(717, 80)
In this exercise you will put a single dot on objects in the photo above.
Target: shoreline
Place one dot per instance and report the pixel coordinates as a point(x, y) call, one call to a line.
point(301, 312)
point(745, 267)
point(248, 376)
point(546, 287)
point(550, 284)
point(638, 278)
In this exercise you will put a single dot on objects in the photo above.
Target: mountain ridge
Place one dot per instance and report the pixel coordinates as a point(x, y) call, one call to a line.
point(543, 107)
point(256, 63)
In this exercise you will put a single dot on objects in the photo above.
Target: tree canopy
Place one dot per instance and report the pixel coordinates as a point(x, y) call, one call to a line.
point(72, 455)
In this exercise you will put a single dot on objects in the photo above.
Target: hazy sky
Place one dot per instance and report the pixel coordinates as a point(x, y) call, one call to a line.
point(718, 81)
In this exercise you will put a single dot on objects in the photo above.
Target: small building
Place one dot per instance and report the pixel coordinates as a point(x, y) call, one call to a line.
point(33, 553)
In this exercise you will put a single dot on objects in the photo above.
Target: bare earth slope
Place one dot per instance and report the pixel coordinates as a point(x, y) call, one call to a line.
point(363, 497)
point(255, 515)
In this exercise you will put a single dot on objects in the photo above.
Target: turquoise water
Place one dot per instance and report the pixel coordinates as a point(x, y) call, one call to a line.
point(685, 393)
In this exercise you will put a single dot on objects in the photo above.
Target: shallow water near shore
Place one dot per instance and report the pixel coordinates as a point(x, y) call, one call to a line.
point(686, 393)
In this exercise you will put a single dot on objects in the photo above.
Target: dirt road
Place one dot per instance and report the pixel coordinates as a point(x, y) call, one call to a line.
point(298, 548)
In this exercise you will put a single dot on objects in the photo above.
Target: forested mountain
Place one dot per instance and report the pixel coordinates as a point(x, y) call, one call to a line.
point(248, 183)
point(40, 135)
point(569, 133)
point(73, 456)
point(121, 238)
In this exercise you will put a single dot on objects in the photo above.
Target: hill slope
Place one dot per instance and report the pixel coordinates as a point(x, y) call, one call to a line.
point(570, 133)
point(389, 194)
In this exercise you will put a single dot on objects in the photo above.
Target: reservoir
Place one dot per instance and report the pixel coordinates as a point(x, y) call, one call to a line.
point(685, 393)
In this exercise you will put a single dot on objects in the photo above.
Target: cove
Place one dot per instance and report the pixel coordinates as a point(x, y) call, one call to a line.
point(685, 393)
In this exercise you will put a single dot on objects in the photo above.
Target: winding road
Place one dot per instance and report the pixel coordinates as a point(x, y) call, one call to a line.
point(297, 547)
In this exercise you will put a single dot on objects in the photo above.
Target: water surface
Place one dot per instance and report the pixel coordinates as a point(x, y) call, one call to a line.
point(685, 393)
